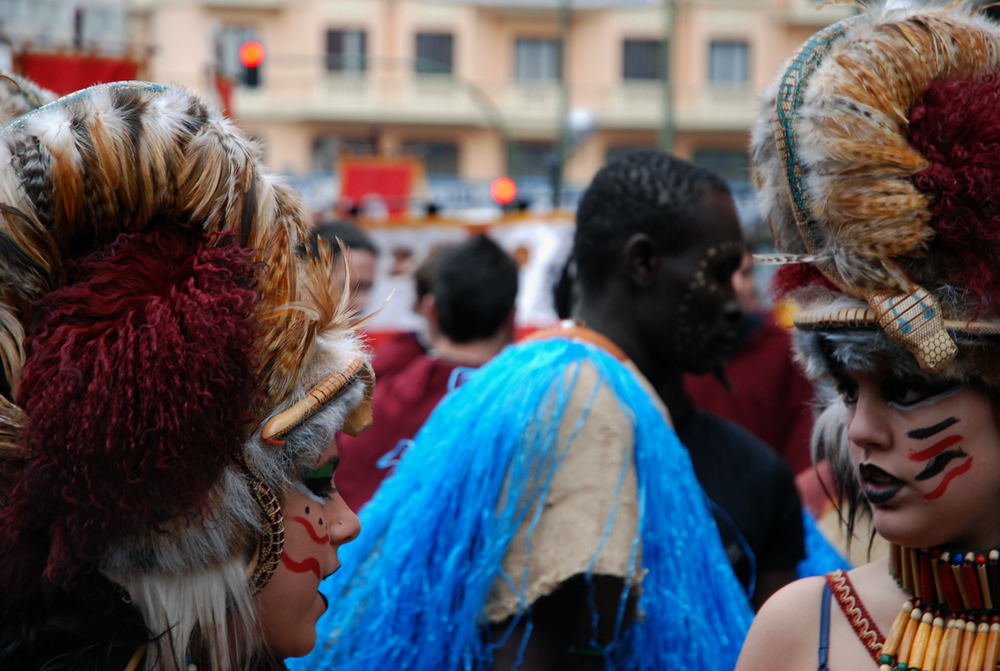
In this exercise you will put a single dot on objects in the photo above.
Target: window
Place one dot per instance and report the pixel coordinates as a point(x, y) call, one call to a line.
point(440, 159)
point(103, 25)
point(537, 60)
point(617, 151)
point(532, 160)
point(345, 50)
point(327, 150)
point(733, 165)
point(642, 59)
point(434, 53)
point(729, 62)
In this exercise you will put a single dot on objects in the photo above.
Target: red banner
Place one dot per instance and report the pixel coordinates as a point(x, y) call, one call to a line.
point(391, 181)
point(66, 73)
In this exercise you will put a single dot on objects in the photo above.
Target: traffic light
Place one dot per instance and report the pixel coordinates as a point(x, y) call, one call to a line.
point(251, 56)
point(503, 190)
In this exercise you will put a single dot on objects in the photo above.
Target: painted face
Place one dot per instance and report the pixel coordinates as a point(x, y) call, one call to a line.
point(317, 522)
point(362, 264)
point(927, 457)
point(704, 326)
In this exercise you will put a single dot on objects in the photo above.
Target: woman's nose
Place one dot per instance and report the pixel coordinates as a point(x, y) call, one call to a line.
point(867, 425)
point(345, 525)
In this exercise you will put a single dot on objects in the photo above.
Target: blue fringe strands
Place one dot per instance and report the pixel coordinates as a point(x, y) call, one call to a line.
point(821, 556)
point(412, 589)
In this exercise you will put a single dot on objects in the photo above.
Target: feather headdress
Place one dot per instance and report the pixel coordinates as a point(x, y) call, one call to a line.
point(156, 324)
point(877, 158)
point(19, 96)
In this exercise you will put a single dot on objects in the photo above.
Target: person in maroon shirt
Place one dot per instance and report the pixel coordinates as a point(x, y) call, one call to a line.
point(767, 394)
point(470, 318)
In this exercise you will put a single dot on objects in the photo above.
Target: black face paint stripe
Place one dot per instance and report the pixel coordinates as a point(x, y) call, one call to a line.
point(929, 431)
point(938, 464)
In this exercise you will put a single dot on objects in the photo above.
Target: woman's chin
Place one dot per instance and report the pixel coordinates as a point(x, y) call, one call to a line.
point(892, 528)
point(302, 647)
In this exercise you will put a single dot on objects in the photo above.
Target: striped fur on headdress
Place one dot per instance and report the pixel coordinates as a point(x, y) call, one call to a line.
point(877, 159)
point(155, 320)
point(19, 96)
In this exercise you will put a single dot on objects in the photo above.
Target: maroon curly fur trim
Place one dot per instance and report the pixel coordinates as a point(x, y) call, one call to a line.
point(137, 380)
point(797, 276)
point(956, 126)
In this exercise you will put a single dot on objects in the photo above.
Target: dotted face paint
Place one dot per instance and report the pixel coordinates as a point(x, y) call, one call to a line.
point(702, 303)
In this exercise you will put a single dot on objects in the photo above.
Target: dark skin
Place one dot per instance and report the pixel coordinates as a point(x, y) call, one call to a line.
point(650, 293)
point(671, 311)
point(639, 302)
point(562, 628)
point(642, 300)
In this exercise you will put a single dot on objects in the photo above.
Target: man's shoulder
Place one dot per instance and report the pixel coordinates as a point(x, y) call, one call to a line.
point(726, 445)
point(395, 352)
point(719, 429)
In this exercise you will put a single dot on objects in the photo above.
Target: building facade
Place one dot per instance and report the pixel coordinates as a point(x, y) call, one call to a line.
point(478, 89)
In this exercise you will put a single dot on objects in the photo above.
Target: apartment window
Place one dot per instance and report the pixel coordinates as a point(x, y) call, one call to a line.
point(345, 50)
point(327, 150)
point(532, 160)
point(537, 59)
point(729, 62)
point(733, 165)
point(103, 25)
point(617, 151)
point(642, 59)
point(434, 53)
point(440, 159)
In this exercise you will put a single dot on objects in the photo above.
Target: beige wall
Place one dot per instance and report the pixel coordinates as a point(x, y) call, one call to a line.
point(300, 101)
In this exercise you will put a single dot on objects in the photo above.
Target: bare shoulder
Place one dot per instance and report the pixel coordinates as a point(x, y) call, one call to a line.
point(785, 633)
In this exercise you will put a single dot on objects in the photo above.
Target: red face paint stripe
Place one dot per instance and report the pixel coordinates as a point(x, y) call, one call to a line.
point(937, 448)
point(948, 477)
point(308, 565)
point(322, 540)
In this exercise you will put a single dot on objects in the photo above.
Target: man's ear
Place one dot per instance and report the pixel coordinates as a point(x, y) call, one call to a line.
point(642, 259)
point(427, 308)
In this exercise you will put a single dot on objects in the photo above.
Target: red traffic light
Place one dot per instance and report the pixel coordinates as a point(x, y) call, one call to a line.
point(251, 53)
point(503, 190)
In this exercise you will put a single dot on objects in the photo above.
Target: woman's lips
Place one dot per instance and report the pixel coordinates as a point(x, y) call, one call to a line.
point(878, 486)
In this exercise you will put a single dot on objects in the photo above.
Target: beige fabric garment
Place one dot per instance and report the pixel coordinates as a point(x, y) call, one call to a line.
point(579, 502)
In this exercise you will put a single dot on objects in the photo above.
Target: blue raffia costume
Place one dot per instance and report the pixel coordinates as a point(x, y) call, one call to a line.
point(414, 589)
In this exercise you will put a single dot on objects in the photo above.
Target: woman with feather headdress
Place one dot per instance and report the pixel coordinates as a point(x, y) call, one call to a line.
point(877, 156)
point(173, 376)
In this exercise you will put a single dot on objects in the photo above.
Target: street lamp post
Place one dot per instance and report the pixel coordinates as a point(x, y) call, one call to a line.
point(565, 18)
point(669, 36)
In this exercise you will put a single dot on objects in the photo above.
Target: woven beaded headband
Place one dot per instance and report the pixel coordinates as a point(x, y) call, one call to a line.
point(322, 394)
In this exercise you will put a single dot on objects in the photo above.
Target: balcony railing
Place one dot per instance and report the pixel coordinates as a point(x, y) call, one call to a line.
point(814, 13)
point(404, 97)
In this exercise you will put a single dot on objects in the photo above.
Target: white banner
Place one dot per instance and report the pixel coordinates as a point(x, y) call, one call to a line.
point(539, 245)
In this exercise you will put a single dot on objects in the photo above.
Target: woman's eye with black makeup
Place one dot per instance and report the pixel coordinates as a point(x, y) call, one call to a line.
point(319, 481)
point(848, 391)
point(909, 392)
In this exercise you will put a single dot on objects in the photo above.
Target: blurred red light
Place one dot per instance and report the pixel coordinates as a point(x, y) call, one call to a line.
point(503, 190)
point(251, 53)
